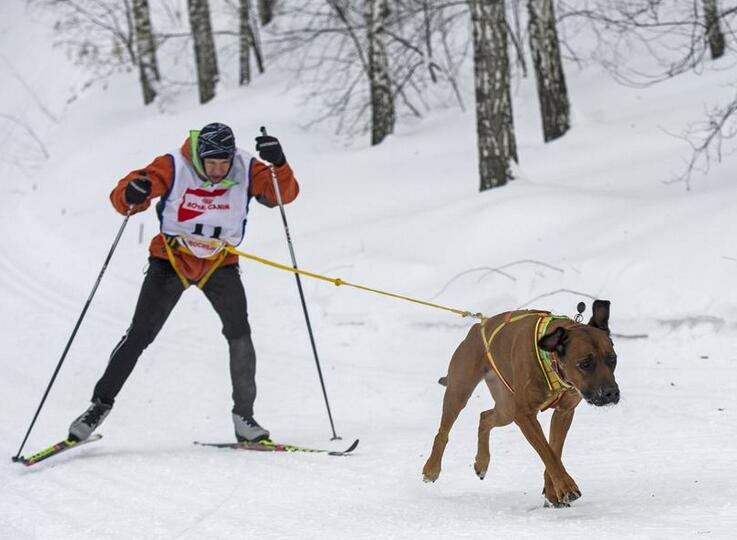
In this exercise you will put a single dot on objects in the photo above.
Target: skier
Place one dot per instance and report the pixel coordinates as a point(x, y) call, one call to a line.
point(204, 188)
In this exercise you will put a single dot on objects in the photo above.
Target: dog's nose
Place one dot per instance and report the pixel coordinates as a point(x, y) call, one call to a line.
point(611, 394)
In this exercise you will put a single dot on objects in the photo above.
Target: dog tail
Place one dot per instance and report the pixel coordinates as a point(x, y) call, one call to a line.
point(443, 381)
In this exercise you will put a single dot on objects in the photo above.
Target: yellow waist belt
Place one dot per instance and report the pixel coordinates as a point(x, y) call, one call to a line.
point(173, 242)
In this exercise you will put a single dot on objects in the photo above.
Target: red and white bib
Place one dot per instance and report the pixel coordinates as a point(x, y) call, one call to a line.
point(204, 215)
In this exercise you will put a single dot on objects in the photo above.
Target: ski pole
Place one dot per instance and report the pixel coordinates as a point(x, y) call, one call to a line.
point(277, 191)
point(16, 458)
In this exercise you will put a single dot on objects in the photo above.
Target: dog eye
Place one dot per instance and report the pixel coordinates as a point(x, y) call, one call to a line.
point(586, 365)
point(611, 361)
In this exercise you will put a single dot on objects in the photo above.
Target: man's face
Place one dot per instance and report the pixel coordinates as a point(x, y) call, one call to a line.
point(216, 169)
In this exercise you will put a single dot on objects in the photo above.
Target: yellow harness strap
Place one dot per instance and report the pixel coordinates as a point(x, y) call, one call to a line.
point(548, 364)
point(487, 343)
point(219, 258)
point(173, 262)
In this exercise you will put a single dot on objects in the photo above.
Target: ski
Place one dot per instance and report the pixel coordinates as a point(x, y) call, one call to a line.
point(271, 446)
point(56, 449)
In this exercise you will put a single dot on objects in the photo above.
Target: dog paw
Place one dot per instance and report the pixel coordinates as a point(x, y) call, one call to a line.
point(556, 504)
point(481, 466)
point(563, 496)
point(430, 474)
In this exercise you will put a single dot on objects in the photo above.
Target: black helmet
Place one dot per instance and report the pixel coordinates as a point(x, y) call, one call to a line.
point(216, 141)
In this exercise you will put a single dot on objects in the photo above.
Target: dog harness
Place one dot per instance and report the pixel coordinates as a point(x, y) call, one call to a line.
point(547, 361)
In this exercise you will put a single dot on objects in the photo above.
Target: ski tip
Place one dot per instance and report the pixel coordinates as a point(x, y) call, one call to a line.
point(345, 452)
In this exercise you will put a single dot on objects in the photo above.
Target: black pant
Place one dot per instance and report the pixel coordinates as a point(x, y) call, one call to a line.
point(160, 292)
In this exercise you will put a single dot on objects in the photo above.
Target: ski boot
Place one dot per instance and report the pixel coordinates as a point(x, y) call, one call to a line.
point(89, 420)
point(248, 430)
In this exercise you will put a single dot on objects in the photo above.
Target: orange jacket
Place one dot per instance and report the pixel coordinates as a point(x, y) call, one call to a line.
point(161, 174)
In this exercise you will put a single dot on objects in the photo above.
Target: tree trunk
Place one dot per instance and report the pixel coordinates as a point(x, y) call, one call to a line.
point(148, 67)
point(713, 32)
point(382, 99)
point(204, 48)
point(256, 45)
point(266, 11)
point(494, 121)
point(551, 83)
point(245, 38)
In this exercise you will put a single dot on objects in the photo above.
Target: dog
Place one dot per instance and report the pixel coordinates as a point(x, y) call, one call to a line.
point(531, 361)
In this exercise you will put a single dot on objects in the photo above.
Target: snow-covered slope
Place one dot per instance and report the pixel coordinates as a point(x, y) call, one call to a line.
point(590, 213)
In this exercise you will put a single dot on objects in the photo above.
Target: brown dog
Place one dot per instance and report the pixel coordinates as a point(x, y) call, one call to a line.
point(530, 361)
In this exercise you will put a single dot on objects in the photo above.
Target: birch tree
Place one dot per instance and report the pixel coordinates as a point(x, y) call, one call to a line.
point(494, 121)
point(382, 100)
point(148, 67)
point(551, 84)
point(204, 48)
point(245, 38)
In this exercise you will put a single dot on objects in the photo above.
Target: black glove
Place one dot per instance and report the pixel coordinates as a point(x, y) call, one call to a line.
point(269, 149)
point(137, 191)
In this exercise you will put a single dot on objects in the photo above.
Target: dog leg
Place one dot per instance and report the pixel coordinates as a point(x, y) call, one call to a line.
point(564, 489)
point(453, 402)
point(560, 423)
point(488, 420)
point(497, 417)
point(464, 373)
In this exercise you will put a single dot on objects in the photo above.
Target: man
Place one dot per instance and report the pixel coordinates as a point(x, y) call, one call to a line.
point(204, 190)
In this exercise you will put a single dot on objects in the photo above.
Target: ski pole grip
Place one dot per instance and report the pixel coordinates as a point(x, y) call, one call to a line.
point(263, 131)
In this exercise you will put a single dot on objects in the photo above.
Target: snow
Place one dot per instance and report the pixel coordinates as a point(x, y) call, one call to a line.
point(406, 217)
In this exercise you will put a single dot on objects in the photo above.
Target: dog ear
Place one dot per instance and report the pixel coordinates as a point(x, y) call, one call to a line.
point(556, 341)
point(600, 318)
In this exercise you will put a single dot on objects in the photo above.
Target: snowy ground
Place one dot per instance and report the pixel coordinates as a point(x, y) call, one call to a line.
point(405, 217)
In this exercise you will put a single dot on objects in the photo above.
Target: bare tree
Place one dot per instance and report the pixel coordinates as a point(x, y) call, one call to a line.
point(248, 41)
point(707, 140)
point(245, 40)
point(326, 45)
point(674, 37)
point(494, 121)
point(97, 35)
point(148, 67)
point(382, 99)
point(713, 31)
point(204, 48)
point(551, 83)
